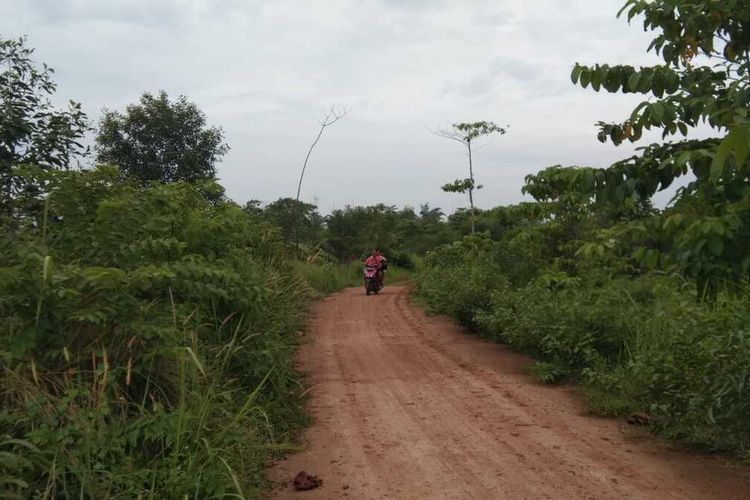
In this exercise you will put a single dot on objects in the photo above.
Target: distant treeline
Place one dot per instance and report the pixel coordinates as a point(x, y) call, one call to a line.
point(349, 233)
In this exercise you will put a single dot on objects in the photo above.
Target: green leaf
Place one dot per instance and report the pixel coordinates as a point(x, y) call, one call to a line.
point(613, 78)
point(742, 145)
point(657, 85)
point(195, 359)
point(683, 158)
point(737, 141)
point(671, 82)
point(644, 82)
point(638, 253)
point(596, 79)
point(585, 77)
point(657, 111)
point(716, 246)
point(576, 73)
point(672, 222)
point(633, 81)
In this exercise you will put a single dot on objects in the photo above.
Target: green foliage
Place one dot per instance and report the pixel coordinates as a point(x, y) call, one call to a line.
point(418, 232)
point(459, 277)
point(466, 134)
point(706, 53)
point(350, 233)
point(32, 130)
point(354, 231)
point(147, 337)
point(403, 260)
point(160, 140)
point(470, 131)
point(547, 372)
point(328, 277)
point(637, 344)
point(460, 186)
point(647, 308)
point(298, 221)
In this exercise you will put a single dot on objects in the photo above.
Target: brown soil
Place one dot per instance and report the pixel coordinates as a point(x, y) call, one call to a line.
point(411, 406)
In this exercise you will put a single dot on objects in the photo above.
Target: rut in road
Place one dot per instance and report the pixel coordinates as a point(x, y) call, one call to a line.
point(411, 406)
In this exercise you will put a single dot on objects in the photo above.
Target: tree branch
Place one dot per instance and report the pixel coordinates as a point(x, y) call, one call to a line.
point(334, 114)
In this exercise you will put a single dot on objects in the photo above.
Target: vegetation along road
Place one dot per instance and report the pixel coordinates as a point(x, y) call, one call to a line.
point(411, 406)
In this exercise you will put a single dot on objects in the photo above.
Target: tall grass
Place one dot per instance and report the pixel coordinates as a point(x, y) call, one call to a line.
point(327, 278)
point(146, 341)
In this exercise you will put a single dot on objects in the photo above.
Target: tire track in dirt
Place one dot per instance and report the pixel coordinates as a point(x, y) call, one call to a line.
point(410, 406)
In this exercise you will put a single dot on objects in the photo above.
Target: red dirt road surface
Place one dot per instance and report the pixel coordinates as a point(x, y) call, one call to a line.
point(408, 406)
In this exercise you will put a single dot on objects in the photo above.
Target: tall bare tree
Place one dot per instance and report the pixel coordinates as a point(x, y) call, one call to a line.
point(335, 113)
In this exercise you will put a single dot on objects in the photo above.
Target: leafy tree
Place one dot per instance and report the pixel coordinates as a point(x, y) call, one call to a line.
point(160, 140)
point(466, 133)
point(705, 78)
point(355, 231)
point(32, 130)
point(299, 221)
point(253, 209)
point(419, 232)
point(426, 213)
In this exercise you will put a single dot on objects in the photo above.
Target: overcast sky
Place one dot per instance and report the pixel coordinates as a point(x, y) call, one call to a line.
point(266, 70)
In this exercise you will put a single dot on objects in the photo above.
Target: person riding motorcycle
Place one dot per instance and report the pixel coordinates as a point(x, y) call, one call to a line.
point(378, 260)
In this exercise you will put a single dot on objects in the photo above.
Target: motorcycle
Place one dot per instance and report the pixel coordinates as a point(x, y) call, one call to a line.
point(372, 280)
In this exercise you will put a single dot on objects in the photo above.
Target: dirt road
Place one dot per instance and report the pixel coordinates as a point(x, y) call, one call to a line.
point(410, 406)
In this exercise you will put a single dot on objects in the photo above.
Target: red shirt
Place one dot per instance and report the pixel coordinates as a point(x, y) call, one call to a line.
point(373, 261)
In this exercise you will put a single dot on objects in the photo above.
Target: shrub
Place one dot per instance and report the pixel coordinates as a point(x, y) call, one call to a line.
point(146, 342)
point(637, 343)
point(328, 277)
point(403, 260)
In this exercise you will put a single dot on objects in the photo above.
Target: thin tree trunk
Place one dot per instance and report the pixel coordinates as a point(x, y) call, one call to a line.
point(333, 115)
point(471, 187)
point(304, 165)
point(297, 208)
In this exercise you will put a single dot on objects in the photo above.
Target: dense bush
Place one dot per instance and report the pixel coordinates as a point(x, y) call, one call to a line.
point(403, 260)
point(638, 343)
point(145, 340)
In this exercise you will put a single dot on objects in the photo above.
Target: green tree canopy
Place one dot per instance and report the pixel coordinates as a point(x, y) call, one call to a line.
point(32, 130)
point(296, 219)
point(466, 134)
point(705, 47)
point(160, 140)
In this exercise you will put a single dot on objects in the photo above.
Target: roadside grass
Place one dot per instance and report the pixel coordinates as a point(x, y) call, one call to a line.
point(146, 345)
point(326, 278)
point(606, 403)
point(398, 276)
